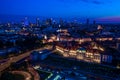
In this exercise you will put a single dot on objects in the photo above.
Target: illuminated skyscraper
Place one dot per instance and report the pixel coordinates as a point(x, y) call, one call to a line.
point(8, 24)
point(99, 27)
point(54, 23)
point(26, 22)
point(59, 30)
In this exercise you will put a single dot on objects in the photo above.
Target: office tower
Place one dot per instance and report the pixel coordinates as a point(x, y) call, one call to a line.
point(54, 23)
point(94, 22)
point(99, 27)
point(37, 22)
point(26, 22)
point(8, 24)
point(22, 22)
point(61, 21)
point(87, 21)
point(118, 46)
point(49, 21)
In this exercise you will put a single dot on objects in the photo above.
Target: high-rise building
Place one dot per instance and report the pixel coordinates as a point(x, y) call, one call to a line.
point(37, 22)
point(26, 22)
point(94, 22)
point(118, 46)
point(8, 24)
point(99, 27)
point(61, 21)
point(49, 21)
point(54, 23)
point(87, 22)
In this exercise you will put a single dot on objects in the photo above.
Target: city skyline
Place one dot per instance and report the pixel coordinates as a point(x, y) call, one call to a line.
point(99, 10)
point(59, 40)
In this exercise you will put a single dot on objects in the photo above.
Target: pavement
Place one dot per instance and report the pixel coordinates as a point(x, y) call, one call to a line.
point(3, 60)
point(34, 73)
point(25, 74)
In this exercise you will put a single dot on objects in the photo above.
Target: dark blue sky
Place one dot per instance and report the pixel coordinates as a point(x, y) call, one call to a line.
point(97, 9)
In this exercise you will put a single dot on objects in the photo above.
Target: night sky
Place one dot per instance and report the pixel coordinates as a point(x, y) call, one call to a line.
point(105, 10)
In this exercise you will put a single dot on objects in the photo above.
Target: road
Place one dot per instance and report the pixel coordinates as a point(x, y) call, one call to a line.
point(34, 73)
point(6, 64)
point(25, 74)
point(3, 60)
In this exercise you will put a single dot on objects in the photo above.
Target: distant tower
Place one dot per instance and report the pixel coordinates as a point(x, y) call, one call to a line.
point(54, 23)
point(59, 26)
point(94, 22)
point(26, 22)
point(58, 37)
point(61, 21)
point(87, 22)
point(49, 21)
point(37, 22)
point(8, 24)
point(59, 30)
point(22, 22)
point(118, 46)
point(99, 27)
point(45, 37)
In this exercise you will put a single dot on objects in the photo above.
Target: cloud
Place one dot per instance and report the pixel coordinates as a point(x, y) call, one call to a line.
point(92, 1)
point(97, 2)
point(86, 1)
